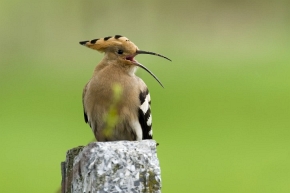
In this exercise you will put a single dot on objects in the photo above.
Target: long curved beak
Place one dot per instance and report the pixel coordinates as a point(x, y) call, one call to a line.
point(141, 66)
point(151, 53)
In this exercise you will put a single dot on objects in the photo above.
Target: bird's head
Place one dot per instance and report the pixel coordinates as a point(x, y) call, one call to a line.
point(121, 49)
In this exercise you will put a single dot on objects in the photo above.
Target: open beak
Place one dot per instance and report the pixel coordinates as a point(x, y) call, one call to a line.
point(141, 66)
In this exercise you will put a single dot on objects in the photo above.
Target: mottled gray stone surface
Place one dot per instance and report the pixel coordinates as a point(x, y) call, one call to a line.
point(120, 166)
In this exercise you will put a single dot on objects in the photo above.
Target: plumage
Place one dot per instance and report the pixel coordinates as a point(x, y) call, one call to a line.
point(144, 113)
point(130, 108)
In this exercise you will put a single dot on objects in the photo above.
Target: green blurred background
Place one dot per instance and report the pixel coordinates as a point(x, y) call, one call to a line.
point(222, 120)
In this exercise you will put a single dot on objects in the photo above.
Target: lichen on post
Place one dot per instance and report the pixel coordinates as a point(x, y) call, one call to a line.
point(119, 166)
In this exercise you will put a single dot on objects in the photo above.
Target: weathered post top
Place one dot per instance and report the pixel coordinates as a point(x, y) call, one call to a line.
point(119, 166)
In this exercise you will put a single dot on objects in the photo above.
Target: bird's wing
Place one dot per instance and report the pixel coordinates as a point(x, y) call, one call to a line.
point(84, 93)
point(144, 114)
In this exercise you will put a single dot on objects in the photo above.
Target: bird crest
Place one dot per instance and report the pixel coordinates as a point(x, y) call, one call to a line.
point(102, 44)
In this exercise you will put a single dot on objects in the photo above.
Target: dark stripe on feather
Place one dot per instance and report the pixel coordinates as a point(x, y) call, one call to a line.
point(143, 118)
point(142, 96)
point(83, 42)
point(86, 117)
point(106, 38)
point(94, 41)
point(145, 128)
point(147, 115)
point(117, 36)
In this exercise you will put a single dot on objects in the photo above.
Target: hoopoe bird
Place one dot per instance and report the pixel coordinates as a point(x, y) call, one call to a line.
point(134, 119)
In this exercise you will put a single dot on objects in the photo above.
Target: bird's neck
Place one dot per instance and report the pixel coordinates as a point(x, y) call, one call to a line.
point(116, 66)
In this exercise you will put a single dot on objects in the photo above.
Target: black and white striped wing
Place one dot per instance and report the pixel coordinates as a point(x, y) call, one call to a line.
point(145, 117)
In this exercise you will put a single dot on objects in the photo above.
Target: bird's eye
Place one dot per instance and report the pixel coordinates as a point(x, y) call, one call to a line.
point(120, 51)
